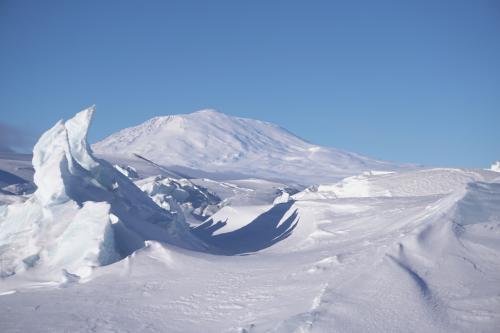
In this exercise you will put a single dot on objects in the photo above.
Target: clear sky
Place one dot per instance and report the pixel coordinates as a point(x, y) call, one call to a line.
point(413, 81)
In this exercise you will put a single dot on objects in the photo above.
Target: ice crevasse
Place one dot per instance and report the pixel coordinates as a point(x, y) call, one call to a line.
point(84, 212)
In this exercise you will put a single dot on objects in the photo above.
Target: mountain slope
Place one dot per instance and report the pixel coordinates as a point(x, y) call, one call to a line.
point(215, 142)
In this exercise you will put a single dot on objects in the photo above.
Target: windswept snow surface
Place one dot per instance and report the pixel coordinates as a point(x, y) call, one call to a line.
point(404, 251)
point(217, 143)
point(405, 184)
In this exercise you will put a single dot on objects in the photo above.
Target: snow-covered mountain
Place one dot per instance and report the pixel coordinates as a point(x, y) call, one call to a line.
point(131, 251)
point(214, 142)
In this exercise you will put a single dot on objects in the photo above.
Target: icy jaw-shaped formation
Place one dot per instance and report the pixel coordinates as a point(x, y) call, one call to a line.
point(84, 212)
point(64, 166)
point(62, 153)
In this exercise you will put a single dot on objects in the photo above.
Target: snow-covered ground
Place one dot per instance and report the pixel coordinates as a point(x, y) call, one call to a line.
point(145, 247)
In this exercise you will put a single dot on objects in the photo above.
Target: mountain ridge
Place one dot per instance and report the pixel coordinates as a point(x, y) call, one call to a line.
point(212, 141)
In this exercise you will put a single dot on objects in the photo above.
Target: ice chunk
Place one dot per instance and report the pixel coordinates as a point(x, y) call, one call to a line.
point(127, 171)
point(50, 160)
point(84, 212)
point(282, 198)
point(495, 166)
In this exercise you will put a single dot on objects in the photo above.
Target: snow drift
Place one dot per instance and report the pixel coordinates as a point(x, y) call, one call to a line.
point(406, 251)
point(84, 212)
point(403, 184)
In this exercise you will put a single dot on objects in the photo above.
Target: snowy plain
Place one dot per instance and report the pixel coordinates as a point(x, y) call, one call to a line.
point(211, 223)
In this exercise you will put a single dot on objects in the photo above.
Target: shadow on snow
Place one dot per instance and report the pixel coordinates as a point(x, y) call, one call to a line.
point(259, 234)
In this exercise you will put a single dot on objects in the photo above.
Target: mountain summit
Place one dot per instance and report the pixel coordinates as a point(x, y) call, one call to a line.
point(215, 142)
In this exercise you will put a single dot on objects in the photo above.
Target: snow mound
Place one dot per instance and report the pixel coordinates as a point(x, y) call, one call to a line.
point(84, 212)
point(433, 260)
point(265, 230)
point(404, 184)
point(459, 243)
point(215, 142)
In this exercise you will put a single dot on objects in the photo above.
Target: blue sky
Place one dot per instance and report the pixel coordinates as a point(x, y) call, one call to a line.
point(413, 81)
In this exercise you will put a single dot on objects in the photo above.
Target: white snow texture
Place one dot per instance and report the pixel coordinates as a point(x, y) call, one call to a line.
point(217, 143)
point(65, 226)
point(211, 223)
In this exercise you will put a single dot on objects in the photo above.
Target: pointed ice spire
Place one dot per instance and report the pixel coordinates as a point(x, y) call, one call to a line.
point(77, 129)
point(61, 152)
